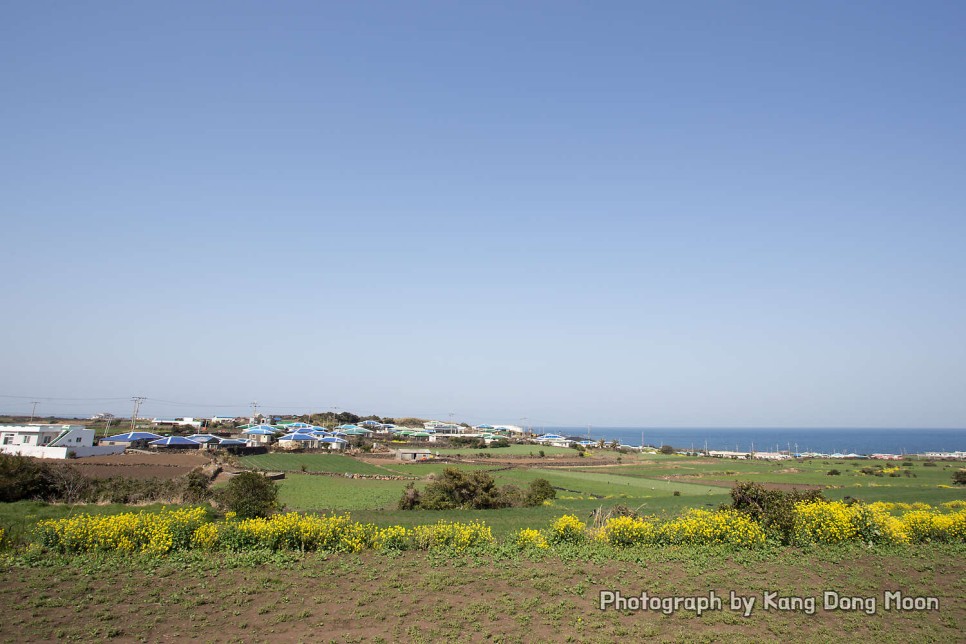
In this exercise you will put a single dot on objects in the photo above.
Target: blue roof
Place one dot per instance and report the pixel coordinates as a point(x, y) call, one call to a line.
point(259, 431)
point(233, 441)
point(132, 436)
point(175, 440)
point(298, 437)
point(333, 439)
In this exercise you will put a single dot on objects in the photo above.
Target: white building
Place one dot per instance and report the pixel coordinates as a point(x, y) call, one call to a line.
point(52, 441)
point(180, 422)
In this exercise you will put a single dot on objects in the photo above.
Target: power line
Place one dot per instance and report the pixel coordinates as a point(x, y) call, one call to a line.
point(33, 398)
point(137, 405)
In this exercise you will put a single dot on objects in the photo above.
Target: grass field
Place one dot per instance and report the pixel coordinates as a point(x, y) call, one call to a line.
point(334, 463)
point(524, 450)
point(922, 484)
point(429, 597)
point(648, 484)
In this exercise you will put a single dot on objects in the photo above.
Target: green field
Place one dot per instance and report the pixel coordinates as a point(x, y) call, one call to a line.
point(522, 450)
point(333, 463)
point(322, 493)
point(922, 483)
point(650, 484)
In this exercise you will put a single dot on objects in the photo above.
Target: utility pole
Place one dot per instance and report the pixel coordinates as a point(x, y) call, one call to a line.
point(137, 405)
point(254, 411)
point(33, 412)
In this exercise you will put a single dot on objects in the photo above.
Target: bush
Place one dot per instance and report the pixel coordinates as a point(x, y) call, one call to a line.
point(540, 490)
point(410, 498)
point(457, 489)
point(249, 495)
point(23, 478)
point(666, 449)
point(959, 477)
point(833, 472)
point(773, 509)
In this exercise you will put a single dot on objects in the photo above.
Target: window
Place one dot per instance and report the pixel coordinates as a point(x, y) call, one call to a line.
point(46, 439)
point(25, 441)
point(7, 439)
point(78, 439)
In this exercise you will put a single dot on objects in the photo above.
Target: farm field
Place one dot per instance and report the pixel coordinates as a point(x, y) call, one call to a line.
point(524, 450)
point(324, 493)
point(426, 597)
point(648, 484)
point(334, 463)
point(929, 484)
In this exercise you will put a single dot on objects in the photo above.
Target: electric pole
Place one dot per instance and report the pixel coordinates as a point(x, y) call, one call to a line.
point(254, 411)
point(33, 412)
point(137, 405)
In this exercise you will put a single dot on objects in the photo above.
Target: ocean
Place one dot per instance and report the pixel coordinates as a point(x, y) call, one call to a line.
point(825, 440)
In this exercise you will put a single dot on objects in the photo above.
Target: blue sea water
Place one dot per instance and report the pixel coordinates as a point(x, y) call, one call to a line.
point(825, 440)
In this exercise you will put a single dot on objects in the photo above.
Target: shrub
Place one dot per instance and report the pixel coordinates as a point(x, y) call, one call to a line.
point(457, 489)
point(540, 490)
point(249, 495)
point(833, 472)
point(508, 496)
point(23, 478)
point(959, 477)
point(666, 449)
point(774, 509)
point(410, 498)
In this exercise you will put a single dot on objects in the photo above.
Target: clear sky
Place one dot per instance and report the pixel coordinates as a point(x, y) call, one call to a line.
point(620, 213)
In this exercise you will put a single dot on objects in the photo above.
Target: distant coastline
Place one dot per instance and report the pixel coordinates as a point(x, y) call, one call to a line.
point(826, 440)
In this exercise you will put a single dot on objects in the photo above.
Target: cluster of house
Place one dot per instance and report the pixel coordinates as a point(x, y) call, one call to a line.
point(52, 441)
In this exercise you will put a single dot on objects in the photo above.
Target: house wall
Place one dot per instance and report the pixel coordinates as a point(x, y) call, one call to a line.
point(61, 452)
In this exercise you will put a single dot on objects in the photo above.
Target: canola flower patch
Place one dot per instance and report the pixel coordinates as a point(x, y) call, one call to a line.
point(838, 522)
point(818, 522)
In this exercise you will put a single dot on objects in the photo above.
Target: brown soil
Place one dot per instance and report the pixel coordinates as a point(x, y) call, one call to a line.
point(417, 597)
point(139, 465)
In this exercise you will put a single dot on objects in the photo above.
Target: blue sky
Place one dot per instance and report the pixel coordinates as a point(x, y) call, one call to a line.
point(659, 214)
